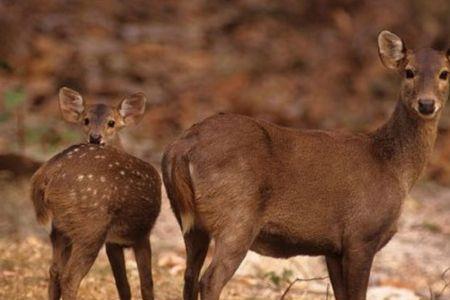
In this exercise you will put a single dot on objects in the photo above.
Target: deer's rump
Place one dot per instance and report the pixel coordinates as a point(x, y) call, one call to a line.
point(99, 189)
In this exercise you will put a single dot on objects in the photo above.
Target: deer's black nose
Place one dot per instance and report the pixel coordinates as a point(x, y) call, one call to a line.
point(95, 138)
point(426, 106)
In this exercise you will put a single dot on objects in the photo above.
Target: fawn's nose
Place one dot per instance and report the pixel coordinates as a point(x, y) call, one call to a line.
point(95, 138)
point(427, 106)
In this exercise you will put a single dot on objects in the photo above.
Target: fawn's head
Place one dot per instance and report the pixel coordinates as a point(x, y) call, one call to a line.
point(425, 85)
point(100, 121)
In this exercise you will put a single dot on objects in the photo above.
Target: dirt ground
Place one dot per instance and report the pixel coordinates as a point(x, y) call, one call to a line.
point(409, 267)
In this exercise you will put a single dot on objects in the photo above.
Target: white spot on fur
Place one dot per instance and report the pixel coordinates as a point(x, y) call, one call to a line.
point(97, 156)
point(122, 173)
point(110, 165)
point(80, 177)
point(94, 192)
point(82, 155)
point(91, 148)
point(76, 150)
point(102, 179)
point(117, 163)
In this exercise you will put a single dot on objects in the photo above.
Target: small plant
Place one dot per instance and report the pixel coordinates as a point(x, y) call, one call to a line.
point(278, 279)
point(432, 227)
point(14, 100)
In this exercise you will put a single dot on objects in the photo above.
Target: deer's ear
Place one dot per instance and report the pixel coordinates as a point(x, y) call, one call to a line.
point(447, 54)
point(392, 49)
point(132, 108)
point(71, 104)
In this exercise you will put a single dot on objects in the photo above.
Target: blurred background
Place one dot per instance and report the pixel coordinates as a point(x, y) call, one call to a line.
point(305, 64)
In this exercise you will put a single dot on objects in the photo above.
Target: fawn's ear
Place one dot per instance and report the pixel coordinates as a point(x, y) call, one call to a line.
point(71, 104)
point(447, 54)
point(132, 108)
point(392, 49)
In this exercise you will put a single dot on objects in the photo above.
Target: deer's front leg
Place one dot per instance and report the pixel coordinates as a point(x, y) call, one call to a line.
point(357, 263)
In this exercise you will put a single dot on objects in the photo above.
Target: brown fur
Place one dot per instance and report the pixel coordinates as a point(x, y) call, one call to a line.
point(95, 195)
point(283, 192)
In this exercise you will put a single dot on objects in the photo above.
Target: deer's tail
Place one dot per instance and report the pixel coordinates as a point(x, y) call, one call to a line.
point(177, 179)
point(38, 185)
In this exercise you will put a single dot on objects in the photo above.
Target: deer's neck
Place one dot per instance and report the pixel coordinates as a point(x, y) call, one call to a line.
point(405, 143)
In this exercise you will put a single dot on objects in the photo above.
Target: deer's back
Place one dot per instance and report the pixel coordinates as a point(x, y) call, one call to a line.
point(90, 187)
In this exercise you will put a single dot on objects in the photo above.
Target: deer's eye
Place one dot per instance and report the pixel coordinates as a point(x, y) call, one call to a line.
point(86, 121)
point(443, 75)
point(111, 123)
point(409, 73)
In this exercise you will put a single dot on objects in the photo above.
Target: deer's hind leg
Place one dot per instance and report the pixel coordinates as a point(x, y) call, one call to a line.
point(232, 239)
point(230, 250)
point(143, 253)
point(117, 262)
point(82, 257)
point(61, 253)
point(197, 244)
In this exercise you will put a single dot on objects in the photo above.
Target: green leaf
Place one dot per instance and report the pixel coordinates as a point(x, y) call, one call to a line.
point(4, 116)
point(14, 98)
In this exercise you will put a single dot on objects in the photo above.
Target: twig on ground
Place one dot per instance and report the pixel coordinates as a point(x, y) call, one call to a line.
point(437, 295)
point(301, 280)
point(446, 283)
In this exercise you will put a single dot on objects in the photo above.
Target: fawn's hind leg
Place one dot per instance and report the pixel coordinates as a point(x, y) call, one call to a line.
point(81, 259)
point(143, 254)
point(197, 244)
point(117, 262)
point(61, 253)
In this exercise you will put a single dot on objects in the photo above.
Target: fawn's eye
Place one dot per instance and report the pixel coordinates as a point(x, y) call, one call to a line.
point(443, 75)
point(409, 73)
point(111, 123)
point(86, 121)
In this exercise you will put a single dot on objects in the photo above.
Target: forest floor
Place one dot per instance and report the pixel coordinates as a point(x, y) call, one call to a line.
point(410, 267)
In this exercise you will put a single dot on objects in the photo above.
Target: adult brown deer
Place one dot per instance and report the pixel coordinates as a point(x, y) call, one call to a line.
point(96, 194)
point(253, 185)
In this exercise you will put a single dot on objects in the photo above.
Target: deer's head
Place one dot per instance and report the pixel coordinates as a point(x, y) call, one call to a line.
point(101, 122)
point(425, 73)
